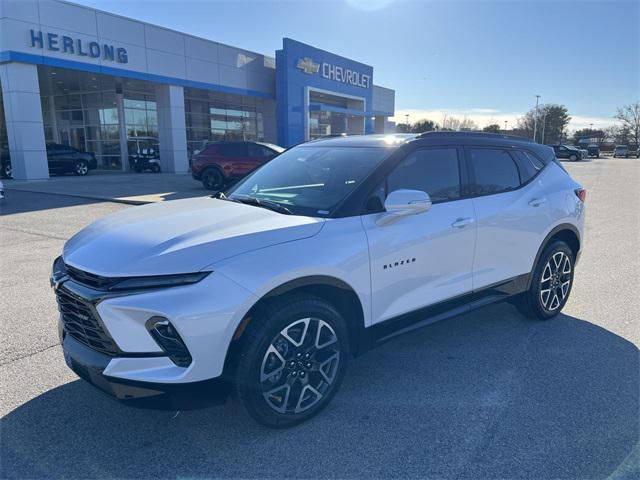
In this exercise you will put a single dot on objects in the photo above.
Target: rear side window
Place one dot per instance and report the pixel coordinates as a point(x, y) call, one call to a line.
point(435, 171)
point(529, 165)
point(233, 149)
point(260, 151)
point(492, 171)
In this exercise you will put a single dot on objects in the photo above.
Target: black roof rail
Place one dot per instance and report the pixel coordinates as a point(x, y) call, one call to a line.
point(474, 135)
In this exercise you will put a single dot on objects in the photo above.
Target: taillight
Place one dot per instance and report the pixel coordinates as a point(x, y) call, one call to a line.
point(581, 193)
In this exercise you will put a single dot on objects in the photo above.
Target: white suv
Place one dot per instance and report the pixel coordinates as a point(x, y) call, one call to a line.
point(266, 289)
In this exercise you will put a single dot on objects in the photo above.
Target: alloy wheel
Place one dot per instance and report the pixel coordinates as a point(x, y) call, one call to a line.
point(555, 281)
point(300, 366)
point(82, 168)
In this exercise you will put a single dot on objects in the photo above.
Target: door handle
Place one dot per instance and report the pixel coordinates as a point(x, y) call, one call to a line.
point(536, 202)
point(462, 222)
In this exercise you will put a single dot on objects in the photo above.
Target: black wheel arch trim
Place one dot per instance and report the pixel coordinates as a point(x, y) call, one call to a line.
point(350, 306)
point(555, 231)
point(311, 280)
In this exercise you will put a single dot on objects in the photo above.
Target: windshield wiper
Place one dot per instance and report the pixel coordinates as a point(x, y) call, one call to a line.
point(256, 202)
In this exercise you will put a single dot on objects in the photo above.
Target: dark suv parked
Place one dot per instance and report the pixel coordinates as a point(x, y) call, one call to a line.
point(221, 162)
point(61, 159)
point(570, 153)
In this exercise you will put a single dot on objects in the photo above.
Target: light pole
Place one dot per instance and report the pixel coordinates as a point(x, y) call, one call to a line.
point(407, 120)
point(535, 119)
point(544, 125)
point(505, 126)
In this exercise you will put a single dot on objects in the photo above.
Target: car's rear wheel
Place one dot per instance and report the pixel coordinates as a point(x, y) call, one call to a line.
point(551, 283)
point(81, 168)
point(155, 168)
point(212, 179)
point(292, 361)
point(6, 171)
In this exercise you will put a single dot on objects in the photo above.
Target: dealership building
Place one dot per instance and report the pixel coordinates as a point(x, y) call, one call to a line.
point(113, 85)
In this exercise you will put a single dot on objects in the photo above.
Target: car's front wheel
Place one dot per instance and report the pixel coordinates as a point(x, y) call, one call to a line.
point(6, 171)
point(573, 158)
point(81, 168)
point(292, 361)
point(551, 283)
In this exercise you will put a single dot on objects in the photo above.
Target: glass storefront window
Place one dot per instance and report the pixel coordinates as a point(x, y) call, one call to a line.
point(88, 122)
point(210, 117)
point(320, 124)
point(141, 122)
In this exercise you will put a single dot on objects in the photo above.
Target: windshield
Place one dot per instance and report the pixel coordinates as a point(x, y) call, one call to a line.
point(310, 180)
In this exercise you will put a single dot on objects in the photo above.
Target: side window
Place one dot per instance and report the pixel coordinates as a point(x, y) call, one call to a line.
point(233, 149)
point(435, 171)
point(528, 164)
point(259, 151)
point(492, 171)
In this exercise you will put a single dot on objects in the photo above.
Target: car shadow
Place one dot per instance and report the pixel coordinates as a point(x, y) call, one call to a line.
point(489, 394)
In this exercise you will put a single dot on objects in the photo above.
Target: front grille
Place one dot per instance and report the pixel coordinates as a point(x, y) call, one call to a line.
point(81, 322)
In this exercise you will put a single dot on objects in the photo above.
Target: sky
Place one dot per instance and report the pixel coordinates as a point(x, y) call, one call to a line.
point(484, 60)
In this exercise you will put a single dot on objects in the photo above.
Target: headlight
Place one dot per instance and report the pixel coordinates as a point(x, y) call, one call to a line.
point(159, 281)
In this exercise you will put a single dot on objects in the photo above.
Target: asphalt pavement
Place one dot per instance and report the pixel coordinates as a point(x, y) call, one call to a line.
point(489, 394)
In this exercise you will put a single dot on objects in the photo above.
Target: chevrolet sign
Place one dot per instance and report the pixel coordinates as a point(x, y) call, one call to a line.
point(334, 72)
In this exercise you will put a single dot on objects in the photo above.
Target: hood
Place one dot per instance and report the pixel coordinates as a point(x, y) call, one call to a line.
point(181, 236)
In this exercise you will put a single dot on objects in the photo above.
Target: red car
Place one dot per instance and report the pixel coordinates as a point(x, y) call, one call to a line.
point(219, 163)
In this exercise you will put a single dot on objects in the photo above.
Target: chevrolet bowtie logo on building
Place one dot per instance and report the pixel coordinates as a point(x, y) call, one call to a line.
point(308, 66)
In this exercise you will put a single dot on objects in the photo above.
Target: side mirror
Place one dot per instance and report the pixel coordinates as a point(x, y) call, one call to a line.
point(401, 203)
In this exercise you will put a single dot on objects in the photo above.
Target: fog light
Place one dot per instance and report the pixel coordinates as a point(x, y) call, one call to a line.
point(169, 340)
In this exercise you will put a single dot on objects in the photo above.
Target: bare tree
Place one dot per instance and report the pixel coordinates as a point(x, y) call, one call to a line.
point(457, 124)
point(467, 124)
point(629, 117)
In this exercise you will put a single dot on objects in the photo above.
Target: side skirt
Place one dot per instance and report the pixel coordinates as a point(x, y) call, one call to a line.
point(381, 332)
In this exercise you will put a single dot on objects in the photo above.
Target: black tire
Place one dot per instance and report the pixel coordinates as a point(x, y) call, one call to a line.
point(534, 303)
point(6, 171)
point(212, 179)
point(155, 168)
point(573, 158)
point(269, 400)
point(81, 168)
point(137, 169)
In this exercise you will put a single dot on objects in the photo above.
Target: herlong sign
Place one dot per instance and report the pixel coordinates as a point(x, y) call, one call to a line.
point(75, 46)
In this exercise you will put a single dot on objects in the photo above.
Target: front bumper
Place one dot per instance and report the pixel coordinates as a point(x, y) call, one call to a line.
point(89, 365)
point(106, 341)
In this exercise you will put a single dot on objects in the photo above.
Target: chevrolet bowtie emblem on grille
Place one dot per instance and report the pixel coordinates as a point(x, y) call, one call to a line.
point(56, 280)
point(308, 66)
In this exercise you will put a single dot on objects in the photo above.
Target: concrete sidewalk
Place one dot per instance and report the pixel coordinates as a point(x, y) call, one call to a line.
point(130, 188)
